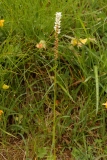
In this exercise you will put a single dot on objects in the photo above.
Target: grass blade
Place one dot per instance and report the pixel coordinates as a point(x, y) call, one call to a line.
point(97, 87)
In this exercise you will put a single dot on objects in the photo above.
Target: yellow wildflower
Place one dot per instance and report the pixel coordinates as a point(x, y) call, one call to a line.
point(74, 41)
point(1, 112)
point(83, 41)
point(5, 87)
point(105, 104)
point(2, 23)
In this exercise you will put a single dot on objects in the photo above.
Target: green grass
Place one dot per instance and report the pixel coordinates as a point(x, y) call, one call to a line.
point(81, 81)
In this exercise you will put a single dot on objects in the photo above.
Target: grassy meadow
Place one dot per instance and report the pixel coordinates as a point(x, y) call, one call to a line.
point(53, 108)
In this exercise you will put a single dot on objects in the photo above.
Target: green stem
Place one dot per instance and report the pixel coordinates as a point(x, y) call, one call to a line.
point(54, 110)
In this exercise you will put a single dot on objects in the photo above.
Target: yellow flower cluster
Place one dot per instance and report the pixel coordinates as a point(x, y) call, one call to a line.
point(2, 23)
point(80, 42)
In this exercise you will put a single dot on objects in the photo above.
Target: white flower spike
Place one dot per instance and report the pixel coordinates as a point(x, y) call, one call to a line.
point(57, 22)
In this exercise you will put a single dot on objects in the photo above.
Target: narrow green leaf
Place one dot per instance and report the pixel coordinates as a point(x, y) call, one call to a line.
point(64, 89)
point(97, 87)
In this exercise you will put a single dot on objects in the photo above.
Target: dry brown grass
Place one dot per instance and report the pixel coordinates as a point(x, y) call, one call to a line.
point(16, 150)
